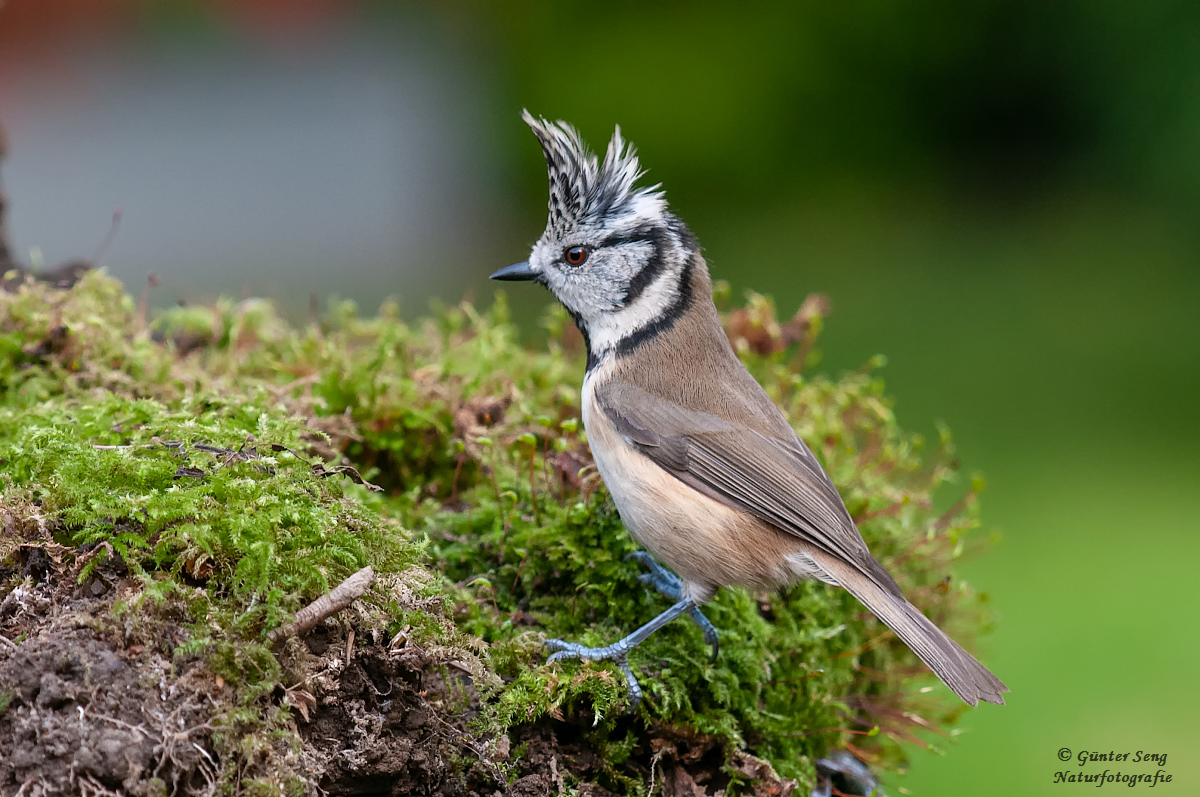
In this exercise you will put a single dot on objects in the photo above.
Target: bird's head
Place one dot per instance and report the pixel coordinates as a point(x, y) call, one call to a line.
point(612, 253)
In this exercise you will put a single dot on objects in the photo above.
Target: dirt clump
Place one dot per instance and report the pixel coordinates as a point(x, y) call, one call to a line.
point(372, 729)
point(88, 717)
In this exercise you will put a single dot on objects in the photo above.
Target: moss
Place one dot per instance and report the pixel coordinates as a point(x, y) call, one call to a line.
point(214, 453)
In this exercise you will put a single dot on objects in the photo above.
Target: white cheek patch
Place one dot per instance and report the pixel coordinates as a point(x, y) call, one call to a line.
point(606, 330)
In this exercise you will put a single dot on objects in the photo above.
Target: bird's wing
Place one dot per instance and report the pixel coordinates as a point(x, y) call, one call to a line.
point(772, 475)
point(776, 479)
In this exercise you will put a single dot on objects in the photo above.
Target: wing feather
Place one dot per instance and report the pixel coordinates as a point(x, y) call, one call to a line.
point(777, 480)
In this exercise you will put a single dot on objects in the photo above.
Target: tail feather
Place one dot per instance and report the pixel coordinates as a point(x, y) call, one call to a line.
point(958, 669)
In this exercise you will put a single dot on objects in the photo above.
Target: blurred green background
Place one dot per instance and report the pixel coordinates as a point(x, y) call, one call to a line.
point(999, 196)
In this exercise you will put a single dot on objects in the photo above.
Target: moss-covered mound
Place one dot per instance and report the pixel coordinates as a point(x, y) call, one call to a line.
point(174, 491)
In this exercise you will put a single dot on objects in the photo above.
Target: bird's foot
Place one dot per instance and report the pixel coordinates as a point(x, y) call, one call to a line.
point(617, 653)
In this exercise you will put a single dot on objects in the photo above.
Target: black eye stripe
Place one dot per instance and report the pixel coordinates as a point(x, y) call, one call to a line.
point(656, 236)
point(669, 315)
point(644, 233)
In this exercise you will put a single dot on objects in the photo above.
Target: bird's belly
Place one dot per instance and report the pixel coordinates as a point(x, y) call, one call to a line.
point(707, 543)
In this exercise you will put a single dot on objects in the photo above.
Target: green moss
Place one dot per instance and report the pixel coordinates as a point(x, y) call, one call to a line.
point(157, 484)
point(187, 448)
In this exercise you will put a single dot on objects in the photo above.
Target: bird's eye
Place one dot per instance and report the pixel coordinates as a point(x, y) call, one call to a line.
point(576, 255)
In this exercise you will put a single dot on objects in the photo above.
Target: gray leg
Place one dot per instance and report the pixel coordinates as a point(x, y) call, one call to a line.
point(669, 586)
point(618, 652)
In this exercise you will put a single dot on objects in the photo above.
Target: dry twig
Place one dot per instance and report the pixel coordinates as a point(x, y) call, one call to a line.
point(327, 605)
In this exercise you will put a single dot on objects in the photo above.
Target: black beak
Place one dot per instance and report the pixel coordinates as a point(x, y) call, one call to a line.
point(516, 272)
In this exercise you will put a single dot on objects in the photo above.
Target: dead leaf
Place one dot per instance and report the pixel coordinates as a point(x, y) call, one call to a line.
point(301, 699)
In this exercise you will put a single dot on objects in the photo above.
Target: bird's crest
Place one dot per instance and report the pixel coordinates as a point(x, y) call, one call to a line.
point(584, 190)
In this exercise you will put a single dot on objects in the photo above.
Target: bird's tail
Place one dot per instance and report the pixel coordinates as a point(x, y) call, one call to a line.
point(958, 669)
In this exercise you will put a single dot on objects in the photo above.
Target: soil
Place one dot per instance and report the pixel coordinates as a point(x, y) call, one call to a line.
point(97, 706)
point(374, 729)
point(103, 702)
point(88, 713)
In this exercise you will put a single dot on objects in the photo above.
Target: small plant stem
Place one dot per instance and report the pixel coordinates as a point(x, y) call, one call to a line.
point(819, 730)
point(537, 512)
point(517, 577)
point(462, 457)
point(495, 483)
point(546, 462)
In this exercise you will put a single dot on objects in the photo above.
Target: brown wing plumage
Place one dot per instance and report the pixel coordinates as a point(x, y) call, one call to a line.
point(777, 480)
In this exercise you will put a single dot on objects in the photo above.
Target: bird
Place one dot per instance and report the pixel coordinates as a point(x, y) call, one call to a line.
point(706, 473)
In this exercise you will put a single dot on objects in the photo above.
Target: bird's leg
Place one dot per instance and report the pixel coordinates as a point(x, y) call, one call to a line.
point(618, 652)
point(659, 577)
point(669, 586)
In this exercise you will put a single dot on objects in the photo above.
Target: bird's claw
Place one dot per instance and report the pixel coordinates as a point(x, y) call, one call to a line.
point(573, 650)
point(569, 650)
point(709, 631)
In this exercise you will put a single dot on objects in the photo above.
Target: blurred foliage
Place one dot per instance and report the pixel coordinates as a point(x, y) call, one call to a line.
point(761, 98)
point(211, 447)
